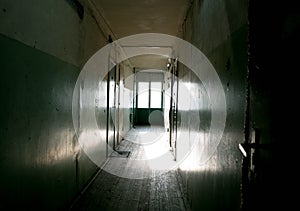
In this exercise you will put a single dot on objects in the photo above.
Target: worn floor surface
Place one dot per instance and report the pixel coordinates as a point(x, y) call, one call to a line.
point(154, 190)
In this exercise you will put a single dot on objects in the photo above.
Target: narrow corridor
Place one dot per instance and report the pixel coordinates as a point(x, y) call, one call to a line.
point(172, 104)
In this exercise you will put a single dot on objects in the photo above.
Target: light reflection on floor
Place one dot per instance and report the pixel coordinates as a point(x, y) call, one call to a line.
point(149, 154)
point(153, 140)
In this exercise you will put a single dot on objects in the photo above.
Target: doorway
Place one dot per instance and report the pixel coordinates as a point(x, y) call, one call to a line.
point(149, 99)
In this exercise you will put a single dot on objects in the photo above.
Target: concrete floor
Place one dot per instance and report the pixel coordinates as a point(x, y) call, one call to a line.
point(161, 191)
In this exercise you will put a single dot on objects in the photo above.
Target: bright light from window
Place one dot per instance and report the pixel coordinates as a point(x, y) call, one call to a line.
point(143, 95)
point(155, 101)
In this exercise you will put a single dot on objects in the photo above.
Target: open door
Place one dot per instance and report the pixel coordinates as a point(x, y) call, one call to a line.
point(173, 108)
point(113, 121)
point(111, 111)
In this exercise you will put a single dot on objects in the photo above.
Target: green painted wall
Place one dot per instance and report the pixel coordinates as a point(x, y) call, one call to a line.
point(41, 164)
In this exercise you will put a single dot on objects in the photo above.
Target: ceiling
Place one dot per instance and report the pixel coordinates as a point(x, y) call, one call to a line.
point(147, 62)
point(129, 17)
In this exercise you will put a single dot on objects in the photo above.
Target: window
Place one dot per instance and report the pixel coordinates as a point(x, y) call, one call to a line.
point(149, 91)
point(155, 101)
point(143, 95)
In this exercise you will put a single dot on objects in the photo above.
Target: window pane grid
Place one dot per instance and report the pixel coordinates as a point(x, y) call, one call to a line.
point(149, 91)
